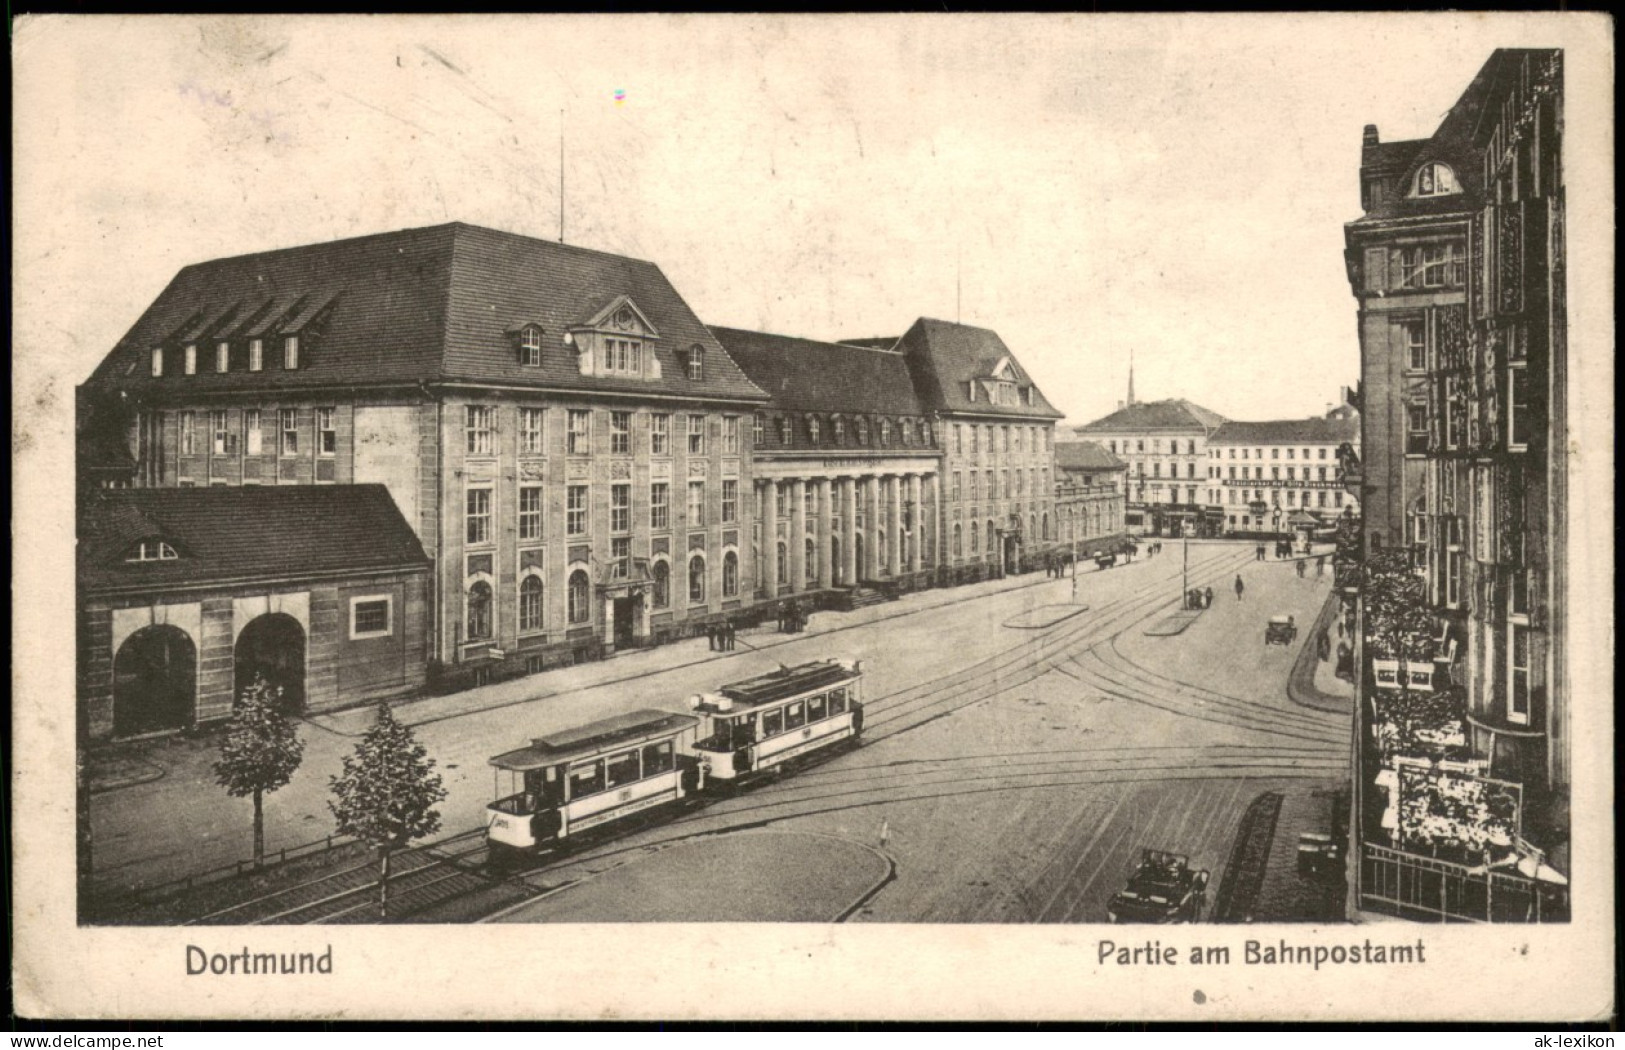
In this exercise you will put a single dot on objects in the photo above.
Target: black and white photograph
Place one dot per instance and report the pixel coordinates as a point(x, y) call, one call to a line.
point(785, 517)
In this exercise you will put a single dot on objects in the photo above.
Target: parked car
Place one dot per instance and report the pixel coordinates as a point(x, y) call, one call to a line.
point(1281, 630)
point(1163, 889)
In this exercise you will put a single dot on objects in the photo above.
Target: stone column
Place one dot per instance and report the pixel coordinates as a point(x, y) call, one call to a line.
point(897, 525)
point(824, 576)
point(849, 531)
point(770, 538)
point(798, 535)
point(871, 506)
point(914, 492)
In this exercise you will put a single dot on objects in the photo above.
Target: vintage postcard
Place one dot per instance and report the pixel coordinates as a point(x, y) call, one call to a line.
point(867, 517)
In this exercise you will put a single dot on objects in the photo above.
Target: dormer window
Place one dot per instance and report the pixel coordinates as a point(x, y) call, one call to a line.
point(528, 341)
point(1436, 180)
point(885, 431)
point(784, 430)
point(623, 357)
point(222, 357)
point(256, 354)
point(290, 353)
point(839, 426)
point(190, 366)
point(863, 431)
point(152, 550)
point(812, 429)
point(157, 362)
point(694, 363)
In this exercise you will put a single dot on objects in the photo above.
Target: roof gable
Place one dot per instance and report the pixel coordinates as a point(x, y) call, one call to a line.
point(1173, 414)
point(948, 362)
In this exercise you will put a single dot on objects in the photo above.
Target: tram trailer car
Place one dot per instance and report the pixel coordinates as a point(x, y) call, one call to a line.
point(760, 724)
point(596, 775)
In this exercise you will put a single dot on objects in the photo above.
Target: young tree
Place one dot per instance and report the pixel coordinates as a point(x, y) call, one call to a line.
point(260, 753)
point(387, 792)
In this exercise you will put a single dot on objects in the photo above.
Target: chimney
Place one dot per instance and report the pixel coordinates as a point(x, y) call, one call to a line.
point(1119, 404)
point(1369, 141)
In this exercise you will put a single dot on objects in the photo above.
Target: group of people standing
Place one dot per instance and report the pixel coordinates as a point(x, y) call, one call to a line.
point(1200, 597)
point(722, 635)
point(792, 618)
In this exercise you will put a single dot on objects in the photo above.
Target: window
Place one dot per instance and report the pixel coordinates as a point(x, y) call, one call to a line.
point(660, 434)
point(696, 363)
point(620, 433)
point(1432, 266)
point(975, 539)
point(975, 486)
point(586, 779)
point(623, 357)
point(696, 504)
point(252, 438)
point(659, 505)
point(152, 550)
point(730, 435)
point(662, 584)
point(975, 437)
point(530, 512)
point(783, 563)
point(579, 609)
point(624, 768)
point(188, 433)
point(478, 516)
point(256, 355)
point(1518, 666)
point(190, 366)
point(696, 579)
point(795, 715)
point(730, 501)
point(781, 501)
point(758, 430)
point(730, 575)
point(579, 438)
point(696, 435)
point(530, 345)
point(1416, 429)
point(1006, 443)
point(925, 432)
point(772, 722)
point(479, 611)
point(838, 426)
point(620, 508)
point(620, 556)
point(885, 432)
point(955, 487)
point(289, 423)
point(1452, 429)
point(223, 444)
point(1518, 427)
point(327, 437)
point(222, 357)
point(1416, 347)
point(370, 616)
point(157, 362)
point(477, 429)
point(531, 429)
point(1435, 180)
point(575, 511)
point(812, 429)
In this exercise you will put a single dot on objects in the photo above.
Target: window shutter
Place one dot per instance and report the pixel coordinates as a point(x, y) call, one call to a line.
point(1376, 269)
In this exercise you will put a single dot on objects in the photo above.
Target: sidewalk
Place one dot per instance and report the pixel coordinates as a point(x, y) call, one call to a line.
point(1286, 895)
point(1313, 682)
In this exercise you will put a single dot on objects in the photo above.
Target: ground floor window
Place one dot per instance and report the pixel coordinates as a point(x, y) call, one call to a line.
point(580, 610)
point(662, 584)
point(696, 579)
point(479, 611)
point(730, 575)
point(530, 604)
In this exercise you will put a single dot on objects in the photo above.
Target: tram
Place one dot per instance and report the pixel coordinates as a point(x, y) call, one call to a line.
point(596, 775)
point(762, 723)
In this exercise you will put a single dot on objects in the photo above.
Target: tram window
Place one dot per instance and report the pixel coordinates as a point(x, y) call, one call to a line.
point(795, 715)
point(656, 758)
point(816, 708)
point(772, 723)
point(837, 701)
point(622, 768)
point(586, 779)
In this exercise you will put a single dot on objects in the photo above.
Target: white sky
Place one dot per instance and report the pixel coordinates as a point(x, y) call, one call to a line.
point(1175, 186)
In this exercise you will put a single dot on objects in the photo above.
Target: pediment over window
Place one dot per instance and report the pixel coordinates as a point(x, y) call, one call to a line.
point(623, 316)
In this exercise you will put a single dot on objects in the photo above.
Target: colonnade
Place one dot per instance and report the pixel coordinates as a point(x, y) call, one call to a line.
point(856, 527)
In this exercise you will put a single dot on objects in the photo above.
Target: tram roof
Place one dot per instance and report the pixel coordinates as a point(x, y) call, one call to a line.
point(786, 682)
point(593, 738)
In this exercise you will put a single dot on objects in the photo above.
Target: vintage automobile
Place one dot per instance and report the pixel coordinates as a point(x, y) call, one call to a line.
point(1281, 630)
point(1163, 889)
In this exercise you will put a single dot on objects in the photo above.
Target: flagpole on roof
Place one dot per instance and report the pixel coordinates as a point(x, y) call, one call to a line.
point(561, 176)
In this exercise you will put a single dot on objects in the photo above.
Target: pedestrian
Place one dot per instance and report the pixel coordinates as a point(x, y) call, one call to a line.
point(1207, 598)
point(1301, 564)
point(1320, 565)
point(1258, 554)
point(711, 635)
point(1239, 586)
point(885, 832)
point(1323, 646)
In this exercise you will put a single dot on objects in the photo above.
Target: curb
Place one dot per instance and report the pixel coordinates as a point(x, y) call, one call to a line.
point(1300, 681)
point(1074, 611)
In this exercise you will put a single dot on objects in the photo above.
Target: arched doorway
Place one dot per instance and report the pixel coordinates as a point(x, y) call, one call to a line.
point(274, 645)
point(154, 681)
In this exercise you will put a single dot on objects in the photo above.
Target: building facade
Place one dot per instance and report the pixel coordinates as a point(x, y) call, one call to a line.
point(1089, 501)
point(184, 595)
point(997, 430)
point(1458, 268)
point(568, 441)
point(1164, 444)
point(1274, 476)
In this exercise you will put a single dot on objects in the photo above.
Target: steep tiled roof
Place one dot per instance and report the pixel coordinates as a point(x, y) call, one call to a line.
point(250, 532)
point(806, 376)
point(423, 304)
point(1173, 414)
point(1451, 144)
point(1085, 455)
point(1317, 431)
point(944, 358)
